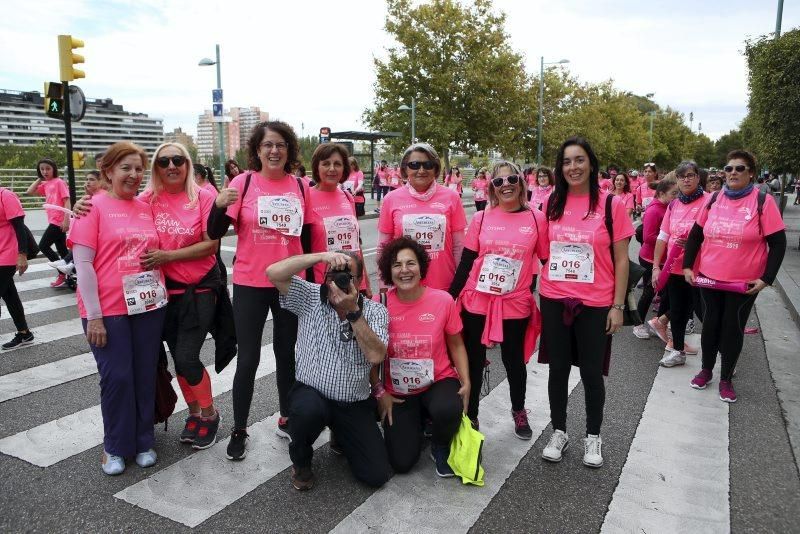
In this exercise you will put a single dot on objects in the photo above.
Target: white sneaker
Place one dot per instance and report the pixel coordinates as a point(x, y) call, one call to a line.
point(690, 326)
point(593, 451)
point(641, 331)
point(558, 444)
point(67, 268)
point(675, 357)
point(56, 264)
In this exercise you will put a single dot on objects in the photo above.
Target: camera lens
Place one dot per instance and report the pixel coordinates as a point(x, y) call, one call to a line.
point(342, 280)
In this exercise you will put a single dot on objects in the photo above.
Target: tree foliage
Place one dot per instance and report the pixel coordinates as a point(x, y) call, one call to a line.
point(25, 157)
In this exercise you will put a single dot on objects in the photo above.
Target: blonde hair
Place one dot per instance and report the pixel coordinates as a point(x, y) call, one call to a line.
point(155, 185)
point(523, 184)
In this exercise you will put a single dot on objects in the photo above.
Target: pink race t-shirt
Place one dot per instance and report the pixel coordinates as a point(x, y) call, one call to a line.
point(481, 187)
point(54, 192)
point(540, 194)
point(579, 264)
point(417, 354)
point(210, 188)
point(180, 225)
point(335, 227)
point(268, 224)
point(627, 200)
point(355, 182)
point(678, 220)
point(10, 208)
point(634, 182)
point(395, 180)
point(383, 177)
point(119, 231)
point(733, 249)
point(431, 223)
point(606, 185)
point(509, 246)
point(644, 195)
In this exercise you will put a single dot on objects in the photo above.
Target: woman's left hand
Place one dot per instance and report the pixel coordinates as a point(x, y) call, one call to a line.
point(757, 285)
point(154, 258)
point(614, 321)
point(463, 392)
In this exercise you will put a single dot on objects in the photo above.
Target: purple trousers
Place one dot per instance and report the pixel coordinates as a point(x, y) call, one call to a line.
point(127, 368)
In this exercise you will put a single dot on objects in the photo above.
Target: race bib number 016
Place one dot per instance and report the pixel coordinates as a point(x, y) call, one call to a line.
point(409, 376)
point(341, 233)
point(143, 292)
point(498, 275)
point(427, 229)
point(282, 214)
point(571, 262)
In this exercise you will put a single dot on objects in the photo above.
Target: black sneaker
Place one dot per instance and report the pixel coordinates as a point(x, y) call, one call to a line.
point(439, 456)
point(302, 478)
point(207, 433)
point(427, 430)
point(19, 340)
point(237, 446)
point(190, 429)
point(521, 427)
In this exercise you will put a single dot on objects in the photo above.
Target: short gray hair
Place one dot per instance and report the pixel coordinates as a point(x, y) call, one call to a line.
point(426, 149)
point(685, 166)
point(356, 257)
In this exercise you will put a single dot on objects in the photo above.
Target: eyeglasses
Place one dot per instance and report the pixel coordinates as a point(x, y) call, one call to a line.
point(737, 168)
point(163, 161)
point(649, 164)
point(687, 176)
point(417, 165)
point(511, 180)
point(269, 146)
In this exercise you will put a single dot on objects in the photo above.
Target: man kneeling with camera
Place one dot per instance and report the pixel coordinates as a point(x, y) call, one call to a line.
point(340, 336)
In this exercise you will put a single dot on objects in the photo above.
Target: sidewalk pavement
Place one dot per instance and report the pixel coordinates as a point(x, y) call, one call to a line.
point(788, 281)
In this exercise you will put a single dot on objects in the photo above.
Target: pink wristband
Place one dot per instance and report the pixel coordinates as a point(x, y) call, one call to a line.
point(378, 390)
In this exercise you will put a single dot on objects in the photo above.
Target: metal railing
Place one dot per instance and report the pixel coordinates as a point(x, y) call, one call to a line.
point(18, 181)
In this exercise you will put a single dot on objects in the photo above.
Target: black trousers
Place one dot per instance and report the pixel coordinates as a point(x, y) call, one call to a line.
point(8, 292)
point(250, 308)
point(726, 316)
point(359, 209)
point(53, 234)
point(648, 293)
point(588, 339)
point(684, 301)
point(404, 437)
point(352, 422)
point(185, 341)
point(511, 350)
point(480, 205)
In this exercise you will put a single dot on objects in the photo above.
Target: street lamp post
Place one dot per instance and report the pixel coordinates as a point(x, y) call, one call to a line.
point(205, 62)
point(541, 105)
point(413, 110)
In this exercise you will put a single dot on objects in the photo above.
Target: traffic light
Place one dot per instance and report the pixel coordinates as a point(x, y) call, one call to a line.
point(54, 99)
point(78, 160)
point(67, 59)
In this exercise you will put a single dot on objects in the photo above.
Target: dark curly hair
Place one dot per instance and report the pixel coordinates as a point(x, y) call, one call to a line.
point(392, 249)
point(257, 136)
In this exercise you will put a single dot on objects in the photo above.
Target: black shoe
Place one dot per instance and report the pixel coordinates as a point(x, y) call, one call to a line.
point(521, 427)
point(237, 446)
point(207, 433)
point(335, 445)
point(439, 456)
point(189, 431)
point(427, 431)
point(302, 478)
point(19, 340)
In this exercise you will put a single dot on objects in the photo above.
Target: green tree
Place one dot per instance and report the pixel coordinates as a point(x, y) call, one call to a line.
point(774, 105)
point(25, 157)
point(456, 61)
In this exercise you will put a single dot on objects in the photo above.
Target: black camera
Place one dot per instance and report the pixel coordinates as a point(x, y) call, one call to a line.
point(342, 278)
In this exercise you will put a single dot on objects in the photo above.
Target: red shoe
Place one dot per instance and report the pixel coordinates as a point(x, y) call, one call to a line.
point(60, 281)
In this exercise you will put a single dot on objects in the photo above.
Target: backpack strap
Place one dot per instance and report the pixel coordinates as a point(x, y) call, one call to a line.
point(762, 197)
point(610, 226)
point(714, 196)
point(246, 185)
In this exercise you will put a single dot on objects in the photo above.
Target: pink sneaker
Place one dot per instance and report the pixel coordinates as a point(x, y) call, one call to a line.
point(60, 281)
point(658, 328)
point(687, 349)
point(701, 380)
point(726, 392)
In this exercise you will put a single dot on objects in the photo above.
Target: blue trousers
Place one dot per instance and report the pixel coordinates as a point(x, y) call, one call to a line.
point(127, 368)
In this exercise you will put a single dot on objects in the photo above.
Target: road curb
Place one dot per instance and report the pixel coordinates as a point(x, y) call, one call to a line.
point(790, 294)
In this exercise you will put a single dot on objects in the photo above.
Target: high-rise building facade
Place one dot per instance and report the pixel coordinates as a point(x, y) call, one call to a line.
point(236, 131)
point(23, 122)
point(179, 136)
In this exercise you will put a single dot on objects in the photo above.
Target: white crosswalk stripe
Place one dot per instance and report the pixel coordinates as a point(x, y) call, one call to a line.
point(54, 332)
point(45, 376)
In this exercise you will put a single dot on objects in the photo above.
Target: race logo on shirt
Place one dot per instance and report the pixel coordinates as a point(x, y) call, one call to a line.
point(165, 224)
point(526, 230)
point(438, 206)
point(427, 318)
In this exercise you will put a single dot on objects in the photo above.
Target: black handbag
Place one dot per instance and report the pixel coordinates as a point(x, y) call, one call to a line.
point(630, 315)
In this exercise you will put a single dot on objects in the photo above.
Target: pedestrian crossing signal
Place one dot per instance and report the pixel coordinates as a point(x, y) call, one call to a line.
point(54, 99)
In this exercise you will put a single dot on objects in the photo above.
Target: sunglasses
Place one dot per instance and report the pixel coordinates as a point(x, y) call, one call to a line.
point(163, 161)
point(511, 180)
point(417, 165)
point(737, 168)
point(649, 164)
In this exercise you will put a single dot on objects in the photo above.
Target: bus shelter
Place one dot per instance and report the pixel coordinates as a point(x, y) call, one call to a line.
point(365, 136)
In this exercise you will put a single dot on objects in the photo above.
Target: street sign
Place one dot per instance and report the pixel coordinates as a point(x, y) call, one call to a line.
point(216, 110)
point(216, 96)
point(77, 103)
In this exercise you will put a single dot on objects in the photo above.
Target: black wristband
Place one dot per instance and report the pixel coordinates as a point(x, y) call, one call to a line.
point(354, 316)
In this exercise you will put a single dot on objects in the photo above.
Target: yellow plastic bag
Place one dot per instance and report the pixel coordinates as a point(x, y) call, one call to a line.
point(466, 451)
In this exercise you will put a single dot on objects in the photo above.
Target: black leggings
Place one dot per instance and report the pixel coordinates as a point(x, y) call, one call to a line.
point(404, 437)
point(511, 350)
point(53, 234)
point(648, 293)
point(480, 205)
point(684, 300)
point(725, 317)
point(184, 341)
point(587, 337)
point(250, 308)
point(8, 292)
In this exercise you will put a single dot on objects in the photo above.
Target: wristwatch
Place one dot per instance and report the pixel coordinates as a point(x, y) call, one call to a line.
point(620, 307)
point(354, 315)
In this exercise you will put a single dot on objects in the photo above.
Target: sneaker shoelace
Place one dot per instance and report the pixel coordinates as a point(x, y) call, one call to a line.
point(521, 418)
point(592, 446)
point(557, 440)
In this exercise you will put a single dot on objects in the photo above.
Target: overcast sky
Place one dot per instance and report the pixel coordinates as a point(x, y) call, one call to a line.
point(310, 62)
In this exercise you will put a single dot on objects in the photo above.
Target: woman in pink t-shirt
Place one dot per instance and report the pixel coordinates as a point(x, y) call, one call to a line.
point(204, 178)
point(582, 291)
point(55, 192)
point(644, 194)
point(425, 371)
point(13, 259)
point(622, 189)
point(741, 239)
point(271, 212)
point(355, 185)
point(454, 179)
point(122, 304)
point(494, 284)
point(335, 226)
point(426, 211)
point(480, 185)
point(544, 186)
point(684, 300)
point(232, 170)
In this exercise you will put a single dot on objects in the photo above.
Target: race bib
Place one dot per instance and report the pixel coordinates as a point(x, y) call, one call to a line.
point(571, 262)
point(282, 214)
point(349, 185)
point(341, 233)
point(143, 292)
point(454, 187)
point(427, 229)
point(395, 181)
point(480, 195)
point(410, 375)
point(646, 201)
point(498, 275)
